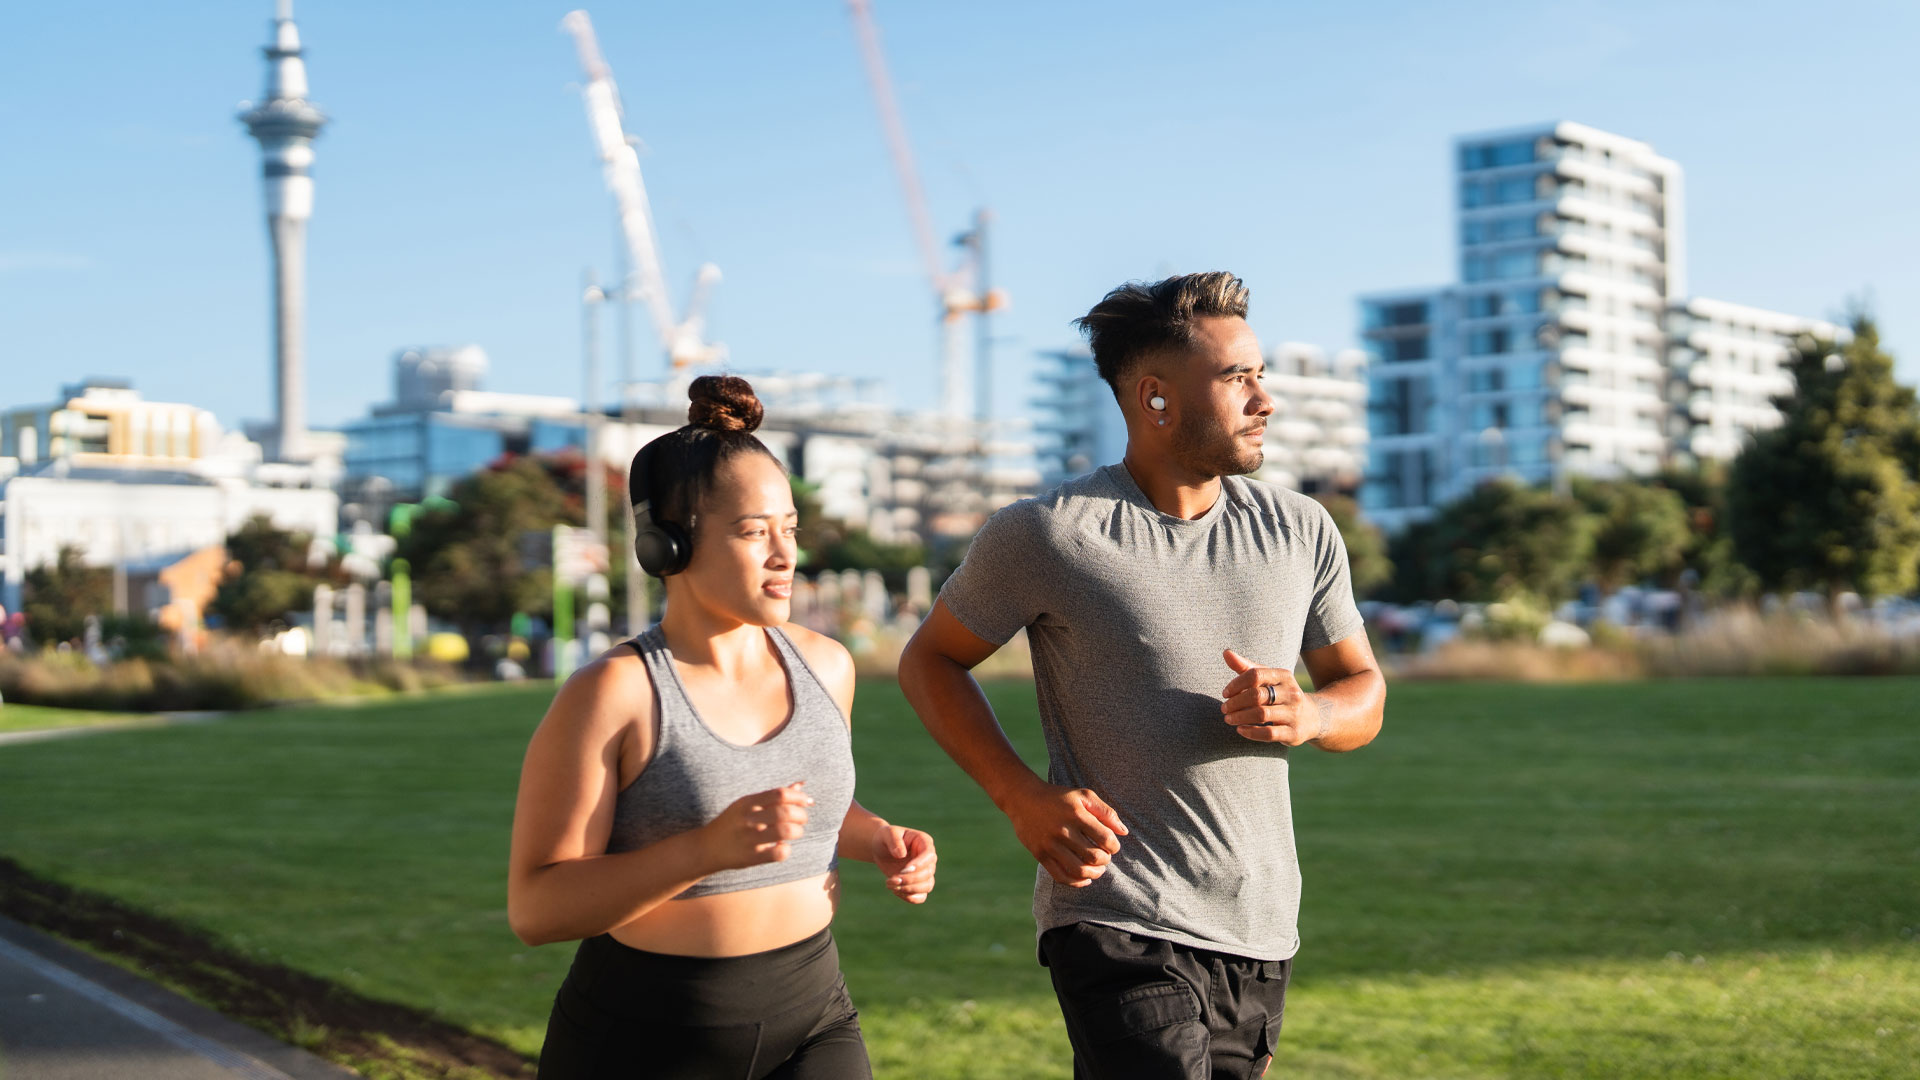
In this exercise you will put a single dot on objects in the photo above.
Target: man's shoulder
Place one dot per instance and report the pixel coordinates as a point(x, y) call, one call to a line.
point(1293, 509)
point(1058, 506)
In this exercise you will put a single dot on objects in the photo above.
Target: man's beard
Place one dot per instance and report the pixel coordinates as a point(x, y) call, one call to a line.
point(1201, 448)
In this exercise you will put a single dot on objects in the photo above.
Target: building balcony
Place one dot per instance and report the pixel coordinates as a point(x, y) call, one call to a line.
point(1585, 282)
point(1584, 244)
point(1578, 204)
point(1294, 431)
point(1576, 166)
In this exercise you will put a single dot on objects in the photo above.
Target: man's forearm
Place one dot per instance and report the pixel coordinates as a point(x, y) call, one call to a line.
point(954, 709)
point(1350, 710)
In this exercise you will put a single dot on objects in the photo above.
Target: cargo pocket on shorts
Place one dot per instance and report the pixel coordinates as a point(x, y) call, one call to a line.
point(1148, 1031)
point(1271, 985)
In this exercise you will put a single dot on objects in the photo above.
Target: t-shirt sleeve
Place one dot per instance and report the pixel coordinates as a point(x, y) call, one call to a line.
point(997, 589)
point(1332, 616)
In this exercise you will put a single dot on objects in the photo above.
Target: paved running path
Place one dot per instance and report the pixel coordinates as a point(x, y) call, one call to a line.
point(65, 1015)
point(152, 721)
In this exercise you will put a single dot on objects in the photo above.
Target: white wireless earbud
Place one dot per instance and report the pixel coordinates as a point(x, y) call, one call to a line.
point(1157, 403)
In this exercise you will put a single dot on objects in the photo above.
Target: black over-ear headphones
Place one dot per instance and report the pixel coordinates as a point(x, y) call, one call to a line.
point(663, 548)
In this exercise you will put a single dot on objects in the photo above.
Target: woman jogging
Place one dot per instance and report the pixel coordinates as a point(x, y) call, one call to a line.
point(684, 802)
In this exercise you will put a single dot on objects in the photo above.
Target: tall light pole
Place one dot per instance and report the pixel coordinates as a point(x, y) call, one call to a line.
point(591, 297)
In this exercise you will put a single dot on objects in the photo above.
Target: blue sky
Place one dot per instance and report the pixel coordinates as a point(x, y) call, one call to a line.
point(1302, 146)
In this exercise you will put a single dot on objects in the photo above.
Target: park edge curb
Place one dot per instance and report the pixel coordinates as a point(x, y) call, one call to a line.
point(332, 1021)
point(194, 1026)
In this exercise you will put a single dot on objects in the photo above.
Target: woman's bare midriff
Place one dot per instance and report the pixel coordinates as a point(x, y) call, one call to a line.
point(736, 923)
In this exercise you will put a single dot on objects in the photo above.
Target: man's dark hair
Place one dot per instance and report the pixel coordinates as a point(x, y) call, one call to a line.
point(1140, 316)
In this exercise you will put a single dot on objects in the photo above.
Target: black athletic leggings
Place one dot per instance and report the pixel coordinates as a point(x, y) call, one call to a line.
point(626, 1013)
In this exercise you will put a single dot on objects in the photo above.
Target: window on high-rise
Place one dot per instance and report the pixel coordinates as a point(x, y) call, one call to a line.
point(1409, 313)
point(1497, 155)
point(1514, 189)
point(1512, 264)
point(1384, 488)
point(1402, 349)
point(1494, 230)
point(1400, 407)
point(1488, 305)
point(1484, 342)
point(1490, 414)
point(1486, 380)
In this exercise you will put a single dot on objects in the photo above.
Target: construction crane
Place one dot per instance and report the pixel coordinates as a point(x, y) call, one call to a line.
point(960, 292)
point(682, 338)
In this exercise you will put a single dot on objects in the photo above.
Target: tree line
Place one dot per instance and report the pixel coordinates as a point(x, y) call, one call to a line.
point(1828, 501)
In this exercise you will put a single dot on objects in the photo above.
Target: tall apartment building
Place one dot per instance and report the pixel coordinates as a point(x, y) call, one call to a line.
point(1316, 438)
point(1568, 345)
point(1728, 363)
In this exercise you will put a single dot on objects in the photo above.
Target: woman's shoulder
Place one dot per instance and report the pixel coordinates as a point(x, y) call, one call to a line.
point(829, 659)
point(608, 691)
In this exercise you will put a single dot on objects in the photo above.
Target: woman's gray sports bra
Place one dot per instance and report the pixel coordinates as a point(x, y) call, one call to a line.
point(694, 774)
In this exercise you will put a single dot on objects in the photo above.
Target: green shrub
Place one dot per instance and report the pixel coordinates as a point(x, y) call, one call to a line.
point(227, 675)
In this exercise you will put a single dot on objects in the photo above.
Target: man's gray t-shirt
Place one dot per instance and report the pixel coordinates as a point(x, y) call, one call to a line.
point(1127, 611)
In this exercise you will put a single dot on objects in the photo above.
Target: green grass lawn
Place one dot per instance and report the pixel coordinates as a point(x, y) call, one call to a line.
point(1687, 879)
point(38, 717)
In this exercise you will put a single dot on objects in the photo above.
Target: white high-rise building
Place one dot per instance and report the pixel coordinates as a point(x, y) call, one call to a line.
point(1553, 355)
point(1728, 363)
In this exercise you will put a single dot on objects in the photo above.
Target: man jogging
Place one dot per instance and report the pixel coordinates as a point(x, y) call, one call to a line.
point(1165, 599)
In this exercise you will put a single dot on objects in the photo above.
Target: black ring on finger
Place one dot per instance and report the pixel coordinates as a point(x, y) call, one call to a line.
point(1272, 693)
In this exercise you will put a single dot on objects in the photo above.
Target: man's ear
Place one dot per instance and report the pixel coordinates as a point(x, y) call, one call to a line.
point(1150, 397)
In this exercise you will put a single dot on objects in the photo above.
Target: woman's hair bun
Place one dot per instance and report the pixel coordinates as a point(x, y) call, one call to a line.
point(723, 403)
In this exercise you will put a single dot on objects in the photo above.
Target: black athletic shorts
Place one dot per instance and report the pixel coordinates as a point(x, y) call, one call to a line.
point(623, 1013)
point(1138, 1008)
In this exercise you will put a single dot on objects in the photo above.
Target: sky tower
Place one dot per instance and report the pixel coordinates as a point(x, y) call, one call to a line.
point(285, 124)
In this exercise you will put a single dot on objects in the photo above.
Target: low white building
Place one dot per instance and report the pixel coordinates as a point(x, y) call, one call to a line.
point(904, 477)
point(133, 483)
